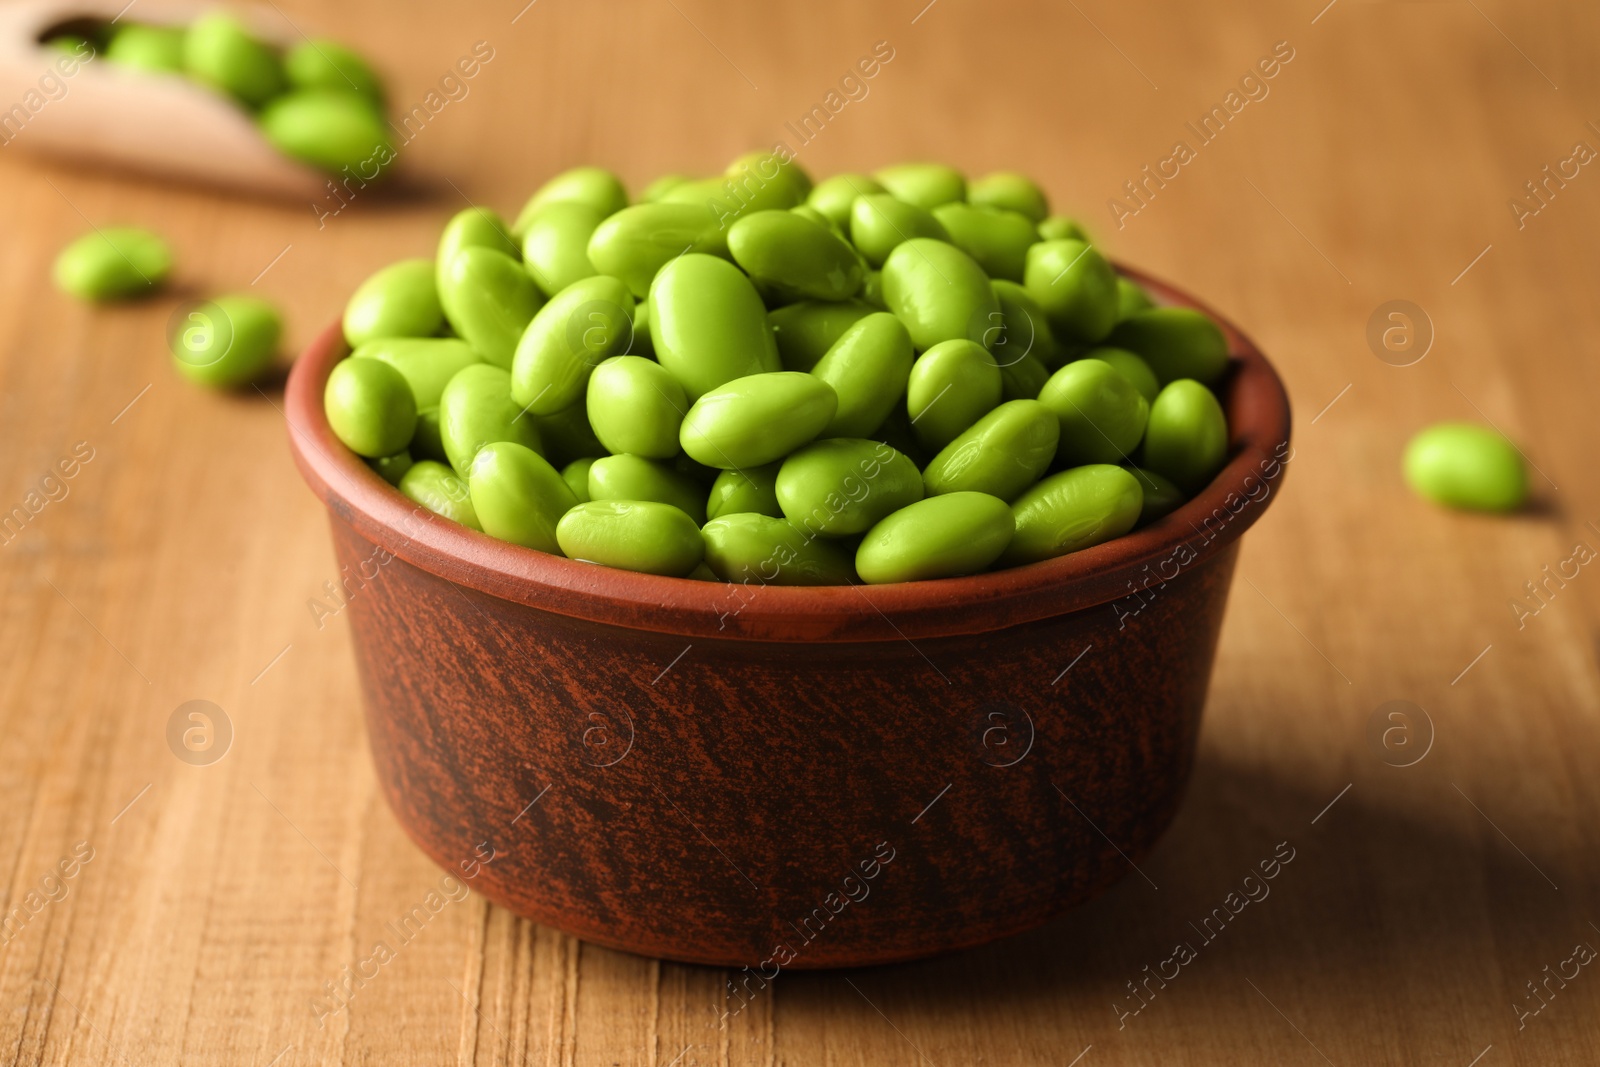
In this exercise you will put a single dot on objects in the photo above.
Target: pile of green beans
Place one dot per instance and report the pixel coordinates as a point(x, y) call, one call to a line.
point(317, 101)
point(751, 378)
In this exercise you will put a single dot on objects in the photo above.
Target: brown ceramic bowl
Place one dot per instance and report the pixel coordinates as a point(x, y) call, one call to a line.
point(786, 777)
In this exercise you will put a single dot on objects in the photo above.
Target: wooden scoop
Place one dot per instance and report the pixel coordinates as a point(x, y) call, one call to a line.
point(158, 124)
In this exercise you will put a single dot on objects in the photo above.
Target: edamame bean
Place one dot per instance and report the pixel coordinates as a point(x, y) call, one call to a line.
point(219, 51)
point(1012, 192)
point(708, 324)
point(636, 478)
point(113, 263)
point(952, 385)
point(844, 485)
point(636, 242)
point(799, 259)
point(489, 300)
point(576, 475)
point(811, 214)
point(567, 435)
point(636, 406)
point(1102, 415)
point(925, 185)
point(1023, 328)
point(440, 490)
point(760, 550)
point(476, 409)
point(370, 407)
point(939, 292)
point(229, 342)
point(879, 223)
point(319, 63)
point(1131, 299)
point(1071, 511)
point(555, 245)
point(1023, 379)
point(1061, 228)
point(834, 196)
point(428, 442)
point(997, 239)
point(635, 535)
point(518, 496)
point(754, 490)
point(1187, 438)
point(940, 537)
point(329, 129)
point(595, 186)
point(867, 367)
point(1463, 465)
point(473, 227)
point(805, 331)
point(1001, 454)
point(1161, 497)
point(641, 344)
point(659, 188)
point(426, 363)
point(1076, 287)
point(1131, 367)
point(392, 468)
point(872, 289)
point(757, 419)
point(582, 326)
point(157, 49)
point(401, 300)
point(1176, 343)
point(763, 180)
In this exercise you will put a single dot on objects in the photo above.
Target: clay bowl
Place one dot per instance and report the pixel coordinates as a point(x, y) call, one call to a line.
point(775, 778)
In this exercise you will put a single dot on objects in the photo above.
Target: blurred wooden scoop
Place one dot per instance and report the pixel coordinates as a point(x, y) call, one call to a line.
point(157, 124)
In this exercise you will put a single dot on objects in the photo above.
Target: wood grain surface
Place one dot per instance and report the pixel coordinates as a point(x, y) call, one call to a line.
point(1436, 913)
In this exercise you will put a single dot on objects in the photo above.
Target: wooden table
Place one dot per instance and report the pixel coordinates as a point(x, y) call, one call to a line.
point(208, 905)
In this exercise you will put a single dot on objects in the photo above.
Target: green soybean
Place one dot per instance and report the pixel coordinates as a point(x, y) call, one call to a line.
point(926, 185)
point(555, 244)
point(1022, 328)
point(757, 419)
point(229, 342)
point(761, 550)
point(1102, 415)
point(594, 186)
point(518, 496)
point(1023, 379)
point(636, 478)
point(1075, 286)
point(1131, 367)
point(1131, 299)
point(951, 386)
point(392, 468)
point(1012, 192)
point(1187, 437)
point(426, 363)
point(221, 52)
point(797, 258)
point(805, 331)
point(476, 409)
point(157, 49)
point(636, 242)
point(872, 289)
point(567, 435)
point(428, 441)
point(401, 300)
point(659, 188)
point(1001, 454)
point(844, 485)
point(708, 324)
point(320, 63)
point(997, 239)
point(331, 129)
point(1071, 511)
point(940, 537)
point(369, 407)
point(763, 180)
point(489, 300)
point(867, 367)
point(576, 475)
point(440, 490)
point(113, 263)
point(473, 227)
point(879, 223)
point(1161, 496)
point(634, 535)
point(1463, 465)
point(636, 406)
point(1062, 228)
point(641, 345)
point(939, 292)
point(1176, 343)
point(835, 196)
point(753, 489)
point(585, 324)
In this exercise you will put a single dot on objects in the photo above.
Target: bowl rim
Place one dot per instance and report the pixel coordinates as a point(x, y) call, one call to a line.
point(1129, 569)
